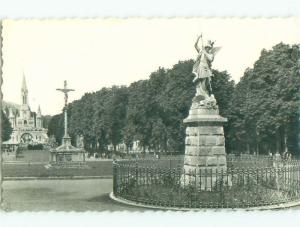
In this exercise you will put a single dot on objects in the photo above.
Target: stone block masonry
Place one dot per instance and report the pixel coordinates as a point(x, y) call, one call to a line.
point(205, 154)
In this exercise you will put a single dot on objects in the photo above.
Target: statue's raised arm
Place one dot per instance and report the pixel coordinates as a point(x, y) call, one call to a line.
point(196, 43)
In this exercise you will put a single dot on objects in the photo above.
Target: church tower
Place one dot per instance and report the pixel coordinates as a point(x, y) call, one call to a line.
point(27, 126)
point(24, 110)
point(39, 122)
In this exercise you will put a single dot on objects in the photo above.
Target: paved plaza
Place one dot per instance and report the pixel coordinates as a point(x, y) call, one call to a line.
point(62, 195)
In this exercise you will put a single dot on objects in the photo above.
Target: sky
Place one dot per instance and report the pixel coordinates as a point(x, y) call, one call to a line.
point(95, 53)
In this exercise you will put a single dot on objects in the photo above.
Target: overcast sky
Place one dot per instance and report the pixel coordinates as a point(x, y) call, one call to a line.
point(95, 53)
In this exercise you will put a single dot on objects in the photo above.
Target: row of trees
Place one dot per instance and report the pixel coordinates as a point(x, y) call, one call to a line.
point(262, 108)
point(264, 113)
point(150, 111)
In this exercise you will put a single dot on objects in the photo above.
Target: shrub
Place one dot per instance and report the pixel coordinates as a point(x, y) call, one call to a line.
point(35, 147)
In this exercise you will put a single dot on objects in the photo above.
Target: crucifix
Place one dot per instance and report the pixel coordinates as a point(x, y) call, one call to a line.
point(65, 90)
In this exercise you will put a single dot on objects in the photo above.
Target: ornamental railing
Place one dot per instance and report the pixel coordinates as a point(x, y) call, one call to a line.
point(163, 183)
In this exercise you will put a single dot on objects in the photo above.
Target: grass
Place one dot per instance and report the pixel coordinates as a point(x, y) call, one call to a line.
point(169, 192)
point(34, 156)
point(191, 197)
point(31, 163)
point(96, 168)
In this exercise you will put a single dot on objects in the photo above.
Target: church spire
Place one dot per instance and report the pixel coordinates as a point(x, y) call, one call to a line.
point(39, 121)
point(24, 92)
point(24, 85)
point(39, 112)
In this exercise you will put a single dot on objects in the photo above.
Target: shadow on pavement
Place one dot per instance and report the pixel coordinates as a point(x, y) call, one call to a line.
point(106, 200)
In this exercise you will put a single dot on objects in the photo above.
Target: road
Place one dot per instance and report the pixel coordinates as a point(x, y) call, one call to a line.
point(61, 195)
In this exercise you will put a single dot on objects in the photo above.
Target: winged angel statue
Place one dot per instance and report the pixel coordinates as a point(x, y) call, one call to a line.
point(202, 69)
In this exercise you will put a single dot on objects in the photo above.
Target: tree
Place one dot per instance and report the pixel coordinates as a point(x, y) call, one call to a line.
point(175, 101)
point(5, 127)
point(239, 127)
point(150, 111)
point(266, 101)
point(139, 107)
point(46, 120)
point(115, 114)
point(81, 117)
point(223, 88)
point(56, 127)
point(99, 128)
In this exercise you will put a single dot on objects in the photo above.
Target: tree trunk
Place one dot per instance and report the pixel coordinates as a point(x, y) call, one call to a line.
point(285, 142)
point(248, 148)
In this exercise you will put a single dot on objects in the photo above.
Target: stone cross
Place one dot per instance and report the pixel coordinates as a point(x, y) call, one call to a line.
point(65, 90)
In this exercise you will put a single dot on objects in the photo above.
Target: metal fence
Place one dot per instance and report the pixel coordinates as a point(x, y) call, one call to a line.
point(163, 182)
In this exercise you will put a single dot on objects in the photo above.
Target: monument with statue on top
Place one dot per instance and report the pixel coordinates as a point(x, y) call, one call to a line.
point(205, 177)
point(204, 142)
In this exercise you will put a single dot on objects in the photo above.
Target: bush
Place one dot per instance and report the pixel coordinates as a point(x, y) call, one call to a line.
point(35, 147)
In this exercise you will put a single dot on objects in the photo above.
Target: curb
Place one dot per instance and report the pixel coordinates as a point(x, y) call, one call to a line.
point(45, 163)
point(271, 207)
point(57, 178)
point(24, 163)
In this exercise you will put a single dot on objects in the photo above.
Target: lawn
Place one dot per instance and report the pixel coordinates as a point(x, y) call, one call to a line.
point(33, 156)
point(96, 168)
point(33, 163)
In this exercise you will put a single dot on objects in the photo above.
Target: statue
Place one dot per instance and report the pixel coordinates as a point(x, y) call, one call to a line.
point(204, 133)
point(80, 141)
point(203, 72)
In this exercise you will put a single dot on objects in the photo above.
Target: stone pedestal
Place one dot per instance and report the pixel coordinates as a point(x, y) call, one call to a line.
point(67, 156)
point(205, 156)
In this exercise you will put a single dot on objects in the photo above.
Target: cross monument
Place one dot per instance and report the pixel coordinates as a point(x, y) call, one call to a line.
point(65, 90)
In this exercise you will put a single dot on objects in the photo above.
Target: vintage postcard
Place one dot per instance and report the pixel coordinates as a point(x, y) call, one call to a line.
point(150, 114)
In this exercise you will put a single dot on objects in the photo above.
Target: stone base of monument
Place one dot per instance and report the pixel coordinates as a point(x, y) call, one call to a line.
point(205, 156)
point(67, 156)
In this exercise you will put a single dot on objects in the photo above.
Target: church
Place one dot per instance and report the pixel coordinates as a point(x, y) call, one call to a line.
point(27, 125)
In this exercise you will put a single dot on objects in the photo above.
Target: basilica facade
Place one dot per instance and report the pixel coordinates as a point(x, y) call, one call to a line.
point(27, 125)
